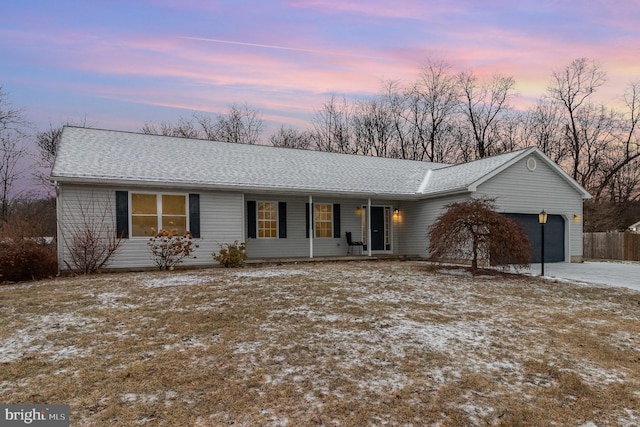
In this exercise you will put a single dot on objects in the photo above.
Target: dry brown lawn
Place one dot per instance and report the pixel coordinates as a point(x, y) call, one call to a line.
point(330, 344)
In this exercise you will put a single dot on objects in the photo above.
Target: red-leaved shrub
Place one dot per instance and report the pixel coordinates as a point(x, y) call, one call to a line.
point(26, 260)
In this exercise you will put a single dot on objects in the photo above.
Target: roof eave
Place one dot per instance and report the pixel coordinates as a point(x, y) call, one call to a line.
point(298, 191)
point(448, 192)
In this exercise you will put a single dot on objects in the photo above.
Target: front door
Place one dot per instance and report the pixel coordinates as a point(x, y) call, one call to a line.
point(377, 228)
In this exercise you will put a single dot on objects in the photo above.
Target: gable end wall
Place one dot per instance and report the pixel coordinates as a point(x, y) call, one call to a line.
point(520, 190)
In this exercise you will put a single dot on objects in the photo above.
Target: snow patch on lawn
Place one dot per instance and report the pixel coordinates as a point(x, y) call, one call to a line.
point(266, 273)
point(175, 280)
point(34, 339)
point(113, 300)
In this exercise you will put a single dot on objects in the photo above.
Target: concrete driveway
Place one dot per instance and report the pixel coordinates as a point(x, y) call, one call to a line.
point(620, 273)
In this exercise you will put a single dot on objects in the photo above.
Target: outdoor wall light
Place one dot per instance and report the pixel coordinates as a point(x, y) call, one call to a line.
point(358, 210)
point(542, 217)
point(396, 211)
point(576, 218)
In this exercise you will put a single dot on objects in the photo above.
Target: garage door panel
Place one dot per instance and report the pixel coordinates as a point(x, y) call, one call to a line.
point(553, 235)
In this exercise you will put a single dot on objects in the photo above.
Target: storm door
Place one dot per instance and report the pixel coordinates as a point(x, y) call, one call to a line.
point(380, 228)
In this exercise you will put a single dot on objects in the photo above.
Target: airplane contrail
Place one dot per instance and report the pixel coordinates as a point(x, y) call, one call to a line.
point(268, 46)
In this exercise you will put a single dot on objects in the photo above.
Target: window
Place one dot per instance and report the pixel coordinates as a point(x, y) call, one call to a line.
point(324, 220)
point(267, 220)
point(151, 212)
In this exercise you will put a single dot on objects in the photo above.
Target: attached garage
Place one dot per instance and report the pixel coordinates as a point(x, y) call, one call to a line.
point(554, 236)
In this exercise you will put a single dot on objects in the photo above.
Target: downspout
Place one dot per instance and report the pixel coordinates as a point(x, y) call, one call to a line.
point(311, 231)
point(243, 213)
point(369, 226)
point(59, 238)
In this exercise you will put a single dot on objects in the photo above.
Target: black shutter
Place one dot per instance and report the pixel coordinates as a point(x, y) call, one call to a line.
point(252, 232)
point(307, 214)
point(282, 220)
point(194, 215)
point(122, 214)
point(336, 221)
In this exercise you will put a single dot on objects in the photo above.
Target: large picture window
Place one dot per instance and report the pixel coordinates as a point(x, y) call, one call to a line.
point(324, 220)
point(151, 212)
point(267, 220)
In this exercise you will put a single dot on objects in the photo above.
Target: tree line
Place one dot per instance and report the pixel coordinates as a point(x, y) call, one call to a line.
point(443, 116)
point(451, 117)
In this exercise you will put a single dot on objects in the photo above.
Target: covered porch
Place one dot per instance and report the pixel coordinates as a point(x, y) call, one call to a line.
point(315, 225)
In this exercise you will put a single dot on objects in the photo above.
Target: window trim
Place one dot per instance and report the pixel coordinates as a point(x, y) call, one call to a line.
point(276, 219)
point(159, 212)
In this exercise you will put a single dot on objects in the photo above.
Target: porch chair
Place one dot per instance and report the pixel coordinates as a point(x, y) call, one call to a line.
point(351, 244)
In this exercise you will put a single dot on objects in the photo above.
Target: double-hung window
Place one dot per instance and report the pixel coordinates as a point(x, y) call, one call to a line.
point(267, 220)
point(323, 216)
point(152, 212)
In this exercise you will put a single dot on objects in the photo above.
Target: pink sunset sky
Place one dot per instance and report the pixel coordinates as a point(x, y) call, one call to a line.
point(118, 64)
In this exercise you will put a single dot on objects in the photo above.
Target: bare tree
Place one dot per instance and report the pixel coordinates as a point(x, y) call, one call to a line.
point(439, 95)
point(483, 105)
point(291, 138)
point(543, 127)
point(596, 126)
point(572, 87)
point(373, 128)
point(242, 125)
point(183, 128)
point(12, 151)
point(624, 152)
point(47, 142)
point(10, 118)
point(332, 127)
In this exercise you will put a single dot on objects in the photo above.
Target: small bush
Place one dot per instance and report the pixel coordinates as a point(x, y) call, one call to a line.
point(90, 236)
point(168, 248)
point(26, 260)
point(231, 254)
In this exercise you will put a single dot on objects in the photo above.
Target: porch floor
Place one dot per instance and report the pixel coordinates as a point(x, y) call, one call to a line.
point(295, 260)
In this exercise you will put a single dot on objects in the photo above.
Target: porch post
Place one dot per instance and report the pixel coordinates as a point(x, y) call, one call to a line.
point(369, 226)
point(243, 213)
point(311, 230)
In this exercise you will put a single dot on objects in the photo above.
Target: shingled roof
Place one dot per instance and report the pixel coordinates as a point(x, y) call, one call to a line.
point(98, 156)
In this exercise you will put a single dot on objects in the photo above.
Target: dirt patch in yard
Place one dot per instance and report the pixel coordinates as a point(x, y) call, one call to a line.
point(344, 344)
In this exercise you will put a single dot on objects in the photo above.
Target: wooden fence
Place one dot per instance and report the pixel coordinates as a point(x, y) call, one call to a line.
point(621, 246)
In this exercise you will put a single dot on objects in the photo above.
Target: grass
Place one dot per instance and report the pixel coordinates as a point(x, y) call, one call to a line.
point(344, 344)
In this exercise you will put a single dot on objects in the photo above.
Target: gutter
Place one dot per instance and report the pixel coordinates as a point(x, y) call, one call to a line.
point(328, 192)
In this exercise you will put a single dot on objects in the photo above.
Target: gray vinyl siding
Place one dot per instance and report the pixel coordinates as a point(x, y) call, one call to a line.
point(416, 218)
point(77, 208)
point(519, 190)
point(220, 222)
point(295, 244)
